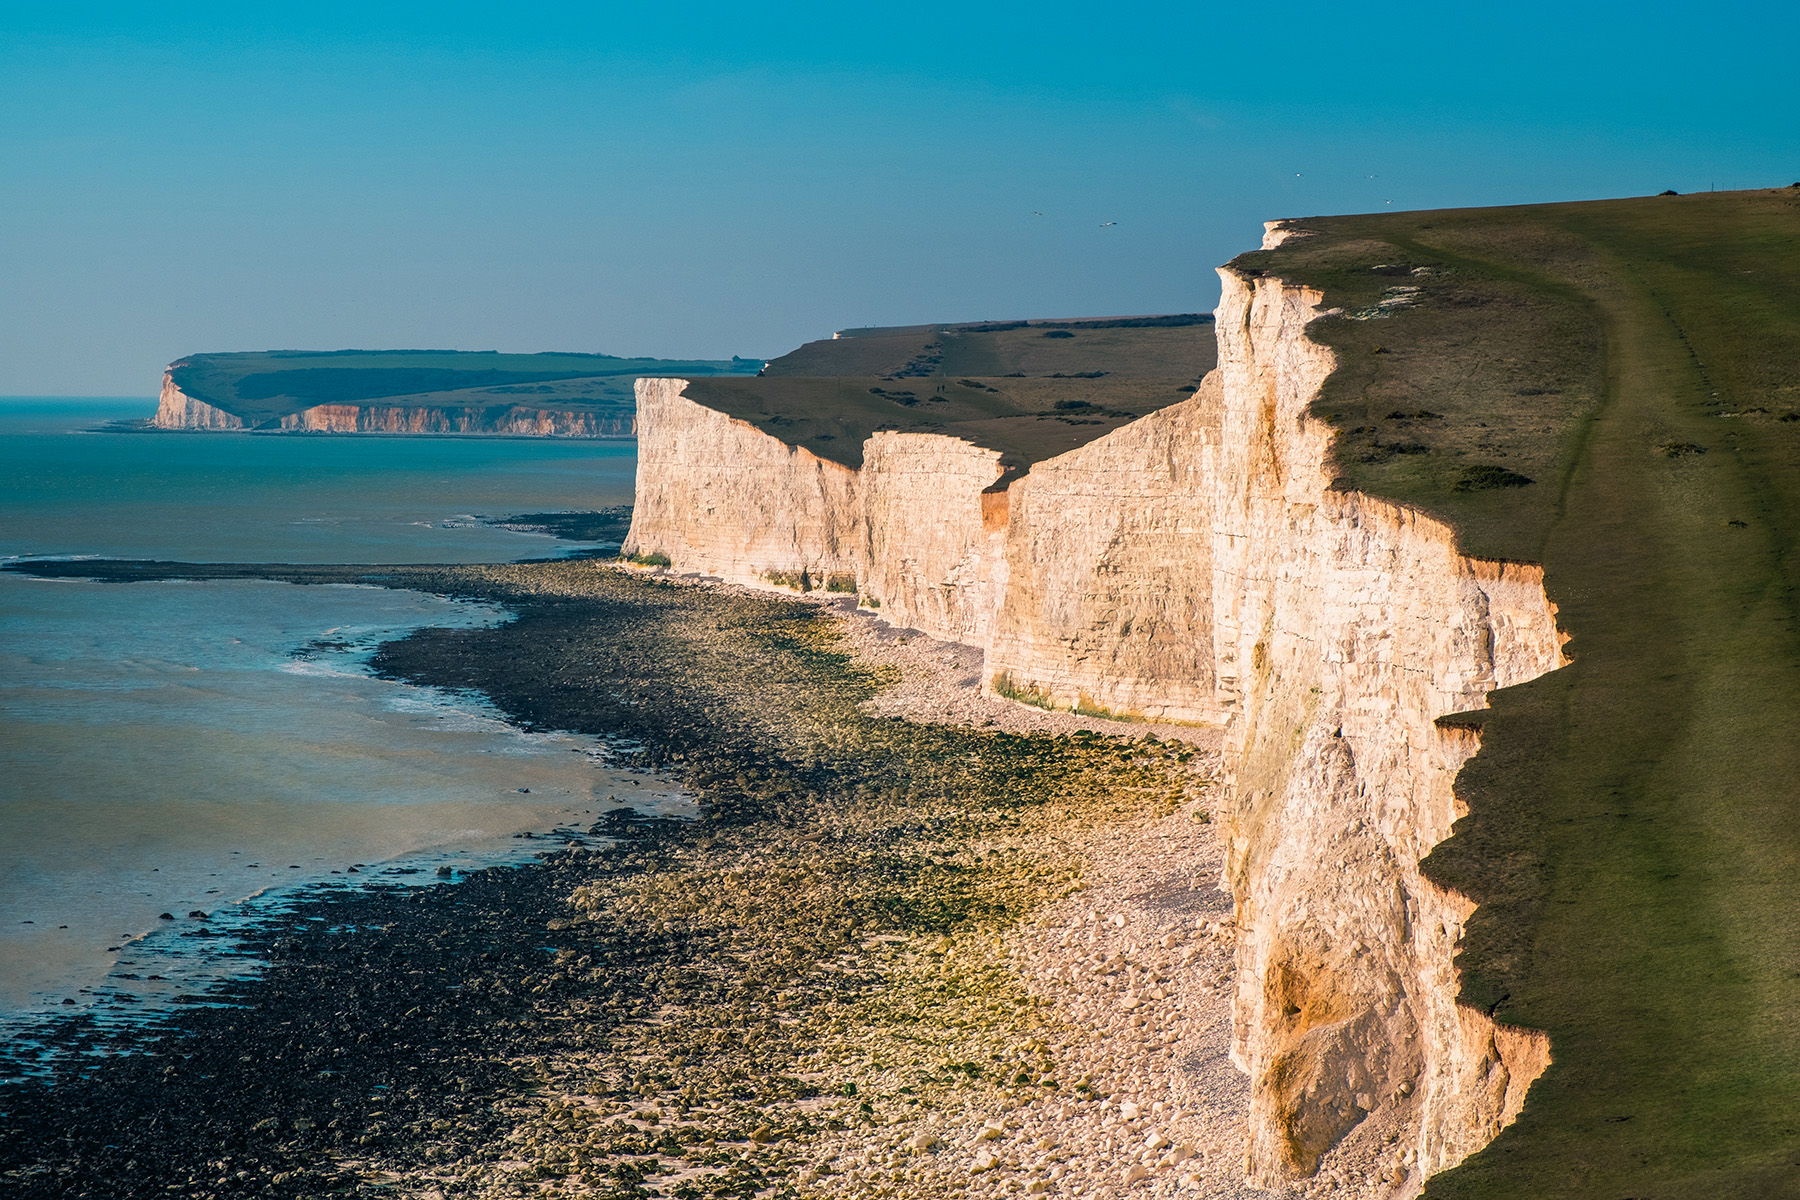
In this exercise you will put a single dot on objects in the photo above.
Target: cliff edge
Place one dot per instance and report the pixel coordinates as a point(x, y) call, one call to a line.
point(1529, 900)
point(1347, 627)
point(1196, 565)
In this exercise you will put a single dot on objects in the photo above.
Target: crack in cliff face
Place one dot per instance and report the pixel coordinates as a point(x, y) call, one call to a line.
point(1198, 565)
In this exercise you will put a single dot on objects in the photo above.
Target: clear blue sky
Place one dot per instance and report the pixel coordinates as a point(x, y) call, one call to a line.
point(708, 180)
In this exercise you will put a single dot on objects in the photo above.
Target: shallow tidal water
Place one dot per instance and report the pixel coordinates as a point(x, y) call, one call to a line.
point(209, 748)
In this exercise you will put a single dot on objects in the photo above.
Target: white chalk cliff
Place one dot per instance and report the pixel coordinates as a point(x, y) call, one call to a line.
point(175, 409)
point(1345, 626)
point(1086, 580)
point(1197, 565)
point(178, 410)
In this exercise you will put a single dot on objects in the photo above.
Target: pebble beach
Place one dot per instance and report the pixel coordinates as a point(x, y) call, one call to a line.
point(919, 942)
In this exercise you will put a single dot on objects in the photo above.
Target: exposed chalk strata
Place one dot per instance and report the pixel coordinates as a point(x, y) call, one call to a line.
point(933, 553)
point(175, 409)
point(1345, 626)
point(1107, 606)
point(1277, 232)
point(178, 410)
point(1197, 565)
point(719, 496)
point(1087, 579)
point(508, 420)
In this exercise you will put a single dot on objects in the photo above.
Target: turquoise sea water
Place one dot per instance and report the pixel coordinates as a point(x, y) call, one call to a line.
point(186, 747)
point(212, 497)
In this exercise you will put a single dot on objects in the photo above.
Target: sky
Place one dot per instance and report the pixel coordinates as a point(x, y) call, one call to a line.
point(703, 180)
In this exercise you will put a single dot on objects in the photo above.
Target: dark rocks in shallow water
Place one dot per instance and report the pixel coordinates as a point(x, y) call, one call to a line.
point(607, 525)
point(197, 913)
point(165, 916)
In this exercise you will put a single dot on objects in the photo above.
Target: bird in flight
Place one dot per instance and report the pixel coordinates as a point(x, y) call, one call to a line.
point(1104, 224)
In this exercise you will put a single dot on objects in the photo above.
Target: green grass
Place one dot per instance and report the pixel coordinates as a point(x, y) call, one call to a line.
point(1633, 834)
point(799, 581)
point(1030, 391)
point(1175, 347)
point(266, 385)
point(1004, 685)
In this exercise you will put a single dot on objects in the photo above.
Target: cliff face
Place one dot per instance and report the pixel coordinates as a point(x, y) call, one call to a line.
point(1086, 580)
point(1345, 626)
point(1108, 599)
point(1197, 565)
point(178, 410)
point(718, 496)
point(934, 534)
point(175, 409)
point(511, 420)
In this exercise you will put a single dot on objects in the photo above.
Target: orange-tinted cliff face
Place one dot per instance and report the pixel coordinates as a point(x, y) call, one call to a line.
point(1344, 627)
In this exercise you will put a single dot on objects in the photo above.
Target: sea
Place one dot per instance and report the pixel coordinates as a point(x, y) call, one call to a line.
point(206, 750)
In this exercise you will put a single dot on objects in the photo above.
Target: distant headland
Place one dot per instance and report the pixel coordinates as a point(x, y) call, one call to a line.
point(416, 391)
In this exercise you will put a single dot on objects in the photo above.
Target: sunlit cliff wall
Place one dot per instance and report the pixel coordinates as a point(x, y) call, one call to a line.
point(1196, 565)
point(509, 421)
point(1344, 627)
point(175, 409)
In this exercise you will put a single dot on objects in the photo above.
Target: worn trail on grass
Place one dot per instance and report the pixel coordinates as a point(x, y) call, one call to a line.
point(1672, 880)
point(1641, 905)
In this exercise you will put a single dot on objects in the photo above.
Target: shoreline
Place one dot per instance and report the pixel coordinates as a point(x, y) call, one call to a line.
point(227, 740)
point(130, 426)
point(849, 967)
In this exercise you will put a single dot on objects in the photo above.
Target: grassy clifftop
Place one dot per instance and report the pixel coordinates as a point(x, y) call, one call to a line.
point(266, 385)
point(1029, 389)
point(1611, 389)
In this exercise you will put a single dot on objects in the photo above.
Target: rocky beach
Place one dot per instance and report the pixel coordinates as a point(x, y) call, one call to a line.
point(920, 942)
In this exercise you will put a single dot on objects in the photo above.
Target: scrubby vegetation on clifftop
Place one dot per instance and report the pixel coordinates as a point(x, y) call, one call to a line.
point(1028, 389)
